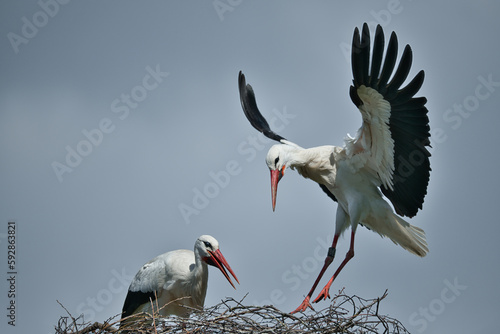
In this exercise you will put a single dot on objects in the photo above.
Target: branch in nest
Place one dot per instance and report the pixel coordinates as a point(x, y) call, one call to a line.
point(346, 314)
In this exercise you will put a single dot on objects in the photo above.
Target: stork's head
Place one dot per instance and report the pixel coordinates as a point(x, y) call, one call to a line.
point(208, 248)
point(277, 160)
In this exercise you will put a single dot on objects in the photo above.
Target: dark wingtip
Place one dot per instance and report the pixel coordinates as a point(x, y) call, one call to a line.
point(249, 106)
point(353, 92)
point(241, 80)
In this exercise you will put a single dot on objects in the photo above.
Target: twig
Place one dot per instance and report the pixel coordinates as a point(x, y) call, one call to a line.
point(72, 318)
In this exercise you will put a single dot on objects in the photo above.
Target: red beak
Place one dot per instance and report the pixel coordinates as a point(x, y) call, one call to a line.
point(218, 260)
point(276, 176)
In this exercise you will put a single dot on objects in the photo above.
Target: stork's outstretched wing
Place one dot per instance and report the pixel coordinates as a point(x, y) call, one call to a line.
point(395, 132)
point(249, 105)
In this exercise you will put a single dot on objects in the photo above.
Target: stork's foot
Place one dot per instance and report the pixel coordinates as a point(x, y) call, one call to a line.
point(325, 293)
point(305, 304)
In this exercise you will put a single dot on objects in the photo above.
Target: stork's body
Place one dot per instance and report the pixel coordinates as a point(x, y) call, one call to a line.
point(388, 155)
point(175, 282)
point(356, 191)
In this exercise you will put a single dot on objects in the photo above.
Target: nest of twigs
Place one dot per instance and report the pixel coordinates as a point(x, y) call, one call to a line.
point(346, 314)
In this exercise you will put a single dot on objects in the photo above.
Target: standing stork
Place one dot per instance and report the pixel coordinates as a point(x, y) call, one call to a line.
point(175, 281)
point(387, 156)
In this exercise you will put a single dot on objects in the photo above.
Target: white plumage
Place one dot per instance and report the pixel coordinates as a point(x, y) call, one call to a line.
point(175, 281)
point(373, 146)
point(388, 155)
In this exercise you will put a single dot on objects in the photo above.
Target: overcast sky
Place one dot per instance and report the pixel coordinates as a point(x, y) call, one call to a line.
point(122, 137)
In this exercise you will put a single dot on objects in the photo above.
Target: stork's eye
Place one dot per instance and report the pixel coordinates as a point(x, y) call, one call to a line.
point(207, 244)
point(276, 161)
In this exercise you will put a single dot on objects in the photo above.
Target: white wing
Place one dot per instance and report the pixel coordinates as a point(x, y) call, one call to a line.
point(162, 271)
point(373, 146)
point(157, 280)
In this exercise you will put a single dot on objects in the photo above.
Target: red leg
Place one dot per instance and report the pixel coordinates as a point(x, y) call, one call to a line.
point(328, 260)
point(325, 292)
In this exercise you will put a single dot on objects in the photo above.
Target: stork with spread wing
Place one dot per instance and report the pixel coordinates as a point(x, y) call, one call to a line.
point(388, 156)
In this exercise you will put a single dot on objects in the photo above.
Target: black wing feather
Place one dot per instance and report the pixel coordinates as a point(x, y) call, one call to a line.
point(377, 54)
point(388, 67)
point(408, 123)
point(365, 56)
point(135, 299)
point(328, 192)
point(406, 93)
point(356, 59)
point(401, 73)
point(249, 105)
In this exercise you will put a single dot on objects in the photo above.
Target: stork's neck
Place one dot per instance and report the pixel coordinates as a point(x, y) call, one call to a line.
point(294, 156)
point(316, 163)
point(200, 267)
point(198, 279)
point(298, 157)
